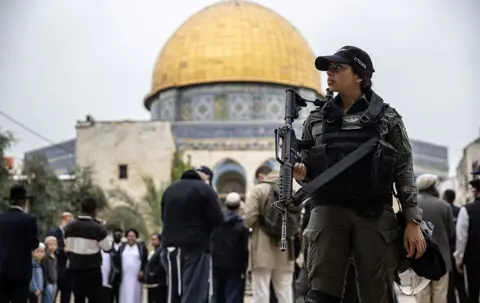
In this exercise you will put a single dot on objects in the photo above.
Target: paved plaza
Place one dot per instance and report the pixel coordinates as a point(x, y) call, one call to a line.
point(248, 299)
point(402, 299)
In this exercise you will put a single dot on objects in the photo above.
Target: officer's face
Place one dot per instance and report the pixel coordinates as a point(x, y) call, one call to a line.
point(341, 78)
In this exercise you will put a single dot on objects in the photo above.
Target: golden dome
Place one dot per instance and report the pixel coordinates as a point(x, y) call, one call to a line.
point(235, 41)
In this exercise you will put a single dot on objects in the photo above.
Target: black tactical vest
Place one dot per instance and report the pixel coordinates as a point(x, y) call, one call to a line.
point(342, 134)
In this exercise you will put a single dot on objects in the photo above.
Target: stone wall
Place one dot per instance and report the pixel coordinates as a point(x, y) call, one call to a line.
point(144, 147)
point(471, 157)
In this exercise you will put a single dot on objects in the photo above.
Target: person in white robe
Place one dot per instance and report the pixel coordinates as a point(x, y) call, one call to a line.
point(133, 257)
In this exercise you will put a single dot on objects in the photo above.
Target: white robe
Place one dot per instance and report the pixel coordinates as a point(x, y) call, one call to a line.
point(130, 287)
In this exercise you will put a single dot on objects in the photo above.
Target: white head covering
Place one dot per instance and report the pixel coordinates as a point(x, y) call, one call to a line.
point(426, 181)
point(41, 245)
point(233, 199)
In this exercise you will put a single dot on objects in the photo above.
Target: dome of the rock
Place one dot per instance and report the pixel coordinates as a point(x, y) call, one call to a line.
point(232, 42)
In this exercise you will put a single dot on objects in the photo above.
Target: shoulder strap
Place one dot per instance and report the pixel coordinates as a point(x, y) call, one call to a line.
point(265, 199)
point(340, 166)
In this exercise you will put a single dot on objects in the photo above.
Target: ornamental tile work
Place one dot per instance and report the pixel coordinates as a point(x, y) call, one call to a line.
point(275, 107)
point(227, 130)
point(202, 108)
point(240, 107)
point(228, 102)
point(167, 112)
point(213, 145)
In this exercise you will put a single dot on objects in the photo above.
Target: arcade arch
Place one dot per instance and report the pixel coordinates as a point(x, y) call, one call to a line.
point(229, 176)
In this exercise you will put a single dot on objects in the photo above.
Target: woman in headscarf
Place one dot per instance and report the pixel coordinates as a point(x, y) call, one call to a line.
point(133, 257)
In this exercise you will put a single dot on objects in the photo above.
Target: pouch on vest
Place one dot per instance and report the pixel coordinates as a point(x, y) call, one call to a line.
point(317, 161)
point(383, 166)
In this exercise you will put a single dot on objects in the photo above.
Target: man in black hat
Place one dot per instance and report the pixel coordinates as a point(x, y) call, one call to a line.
point(352, 212)
point(206, 173)
point(468, 243)
point(18, 237)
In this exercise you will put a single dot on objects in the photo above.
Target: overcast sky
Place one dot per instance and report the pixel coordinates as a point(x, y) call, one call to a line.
point(61, 60)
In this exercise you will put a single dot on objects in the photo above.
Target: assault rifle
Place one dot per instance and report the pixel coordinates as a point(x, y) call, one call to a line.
point(288, 152)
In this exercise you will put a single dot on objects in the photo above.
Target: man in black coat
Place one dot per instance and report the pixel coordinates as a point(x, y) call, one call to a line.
point(18, 237)
point(190, 213)
point(456, 279)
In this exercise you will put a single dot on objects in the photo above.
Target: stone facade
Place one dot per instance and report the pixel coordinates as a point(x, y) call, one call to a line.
point(469, 163)
point(137, 149)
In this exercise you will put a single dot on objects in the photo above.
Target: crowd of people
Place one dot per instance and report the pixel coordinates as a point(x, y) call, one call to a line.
point(457, 235)
point(207, 250)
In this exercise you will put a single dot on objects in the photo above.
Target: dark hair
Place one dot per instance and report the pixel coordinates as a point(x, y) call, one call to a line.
point(158, 235)
point(18, 202)
point(117, 229)
point(133, 230)
point(88, 206)
point(366, 84)
point(264, 170)
point(233, 207)
point(449, 195)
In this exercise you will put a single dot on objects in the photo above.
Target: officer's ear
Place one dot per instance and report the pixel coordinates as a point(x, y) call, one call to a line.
point(359, 79)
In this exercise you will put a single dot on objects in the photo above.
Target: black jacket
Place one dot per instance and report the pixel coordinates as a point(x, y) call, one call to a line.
point(114, 276)
point(18, 237)
point(230, 245)
point(190, 212)
point(155, 273)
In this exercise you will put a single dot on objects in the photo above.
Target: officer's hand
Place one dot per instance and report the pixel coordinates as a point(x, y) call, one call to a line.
point(413, 240)
point(299, 171)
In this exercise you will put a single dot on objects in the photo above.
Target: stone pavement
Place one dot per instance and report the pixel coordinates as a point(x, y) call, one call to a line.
point(248, 298)
point(401, 299)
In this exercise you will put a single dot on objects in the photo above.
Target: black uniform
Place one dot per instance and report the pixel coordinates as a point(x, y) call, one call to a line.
point(352, 213)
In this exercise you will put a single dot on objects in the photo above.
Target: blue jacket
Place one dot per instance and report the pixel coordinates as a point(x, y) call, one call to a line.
point(37, 282)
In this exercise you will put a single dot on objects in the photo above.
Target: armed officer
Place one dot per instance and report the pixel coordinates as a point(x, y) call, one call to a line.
point(352, 212)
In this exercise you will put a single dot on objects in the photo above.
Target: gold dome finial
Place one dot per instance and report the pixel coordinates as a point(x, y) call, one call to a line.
point(243, 42)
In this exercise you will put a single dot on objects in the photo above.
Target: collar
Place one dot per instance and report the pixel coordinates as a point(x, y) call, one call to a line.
point(17, 208)
point(362, 98)
point(360, 105)
point(85, 217)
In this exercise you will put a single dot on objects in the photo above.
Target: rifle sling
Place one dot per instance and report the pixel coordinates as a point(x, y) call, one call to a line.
point(336, 169)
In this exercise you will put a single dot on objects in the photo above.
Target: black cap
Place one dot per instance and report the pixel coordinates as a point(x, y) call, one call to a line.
point(475, 184)
point(207, 171)
point(351, 55)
